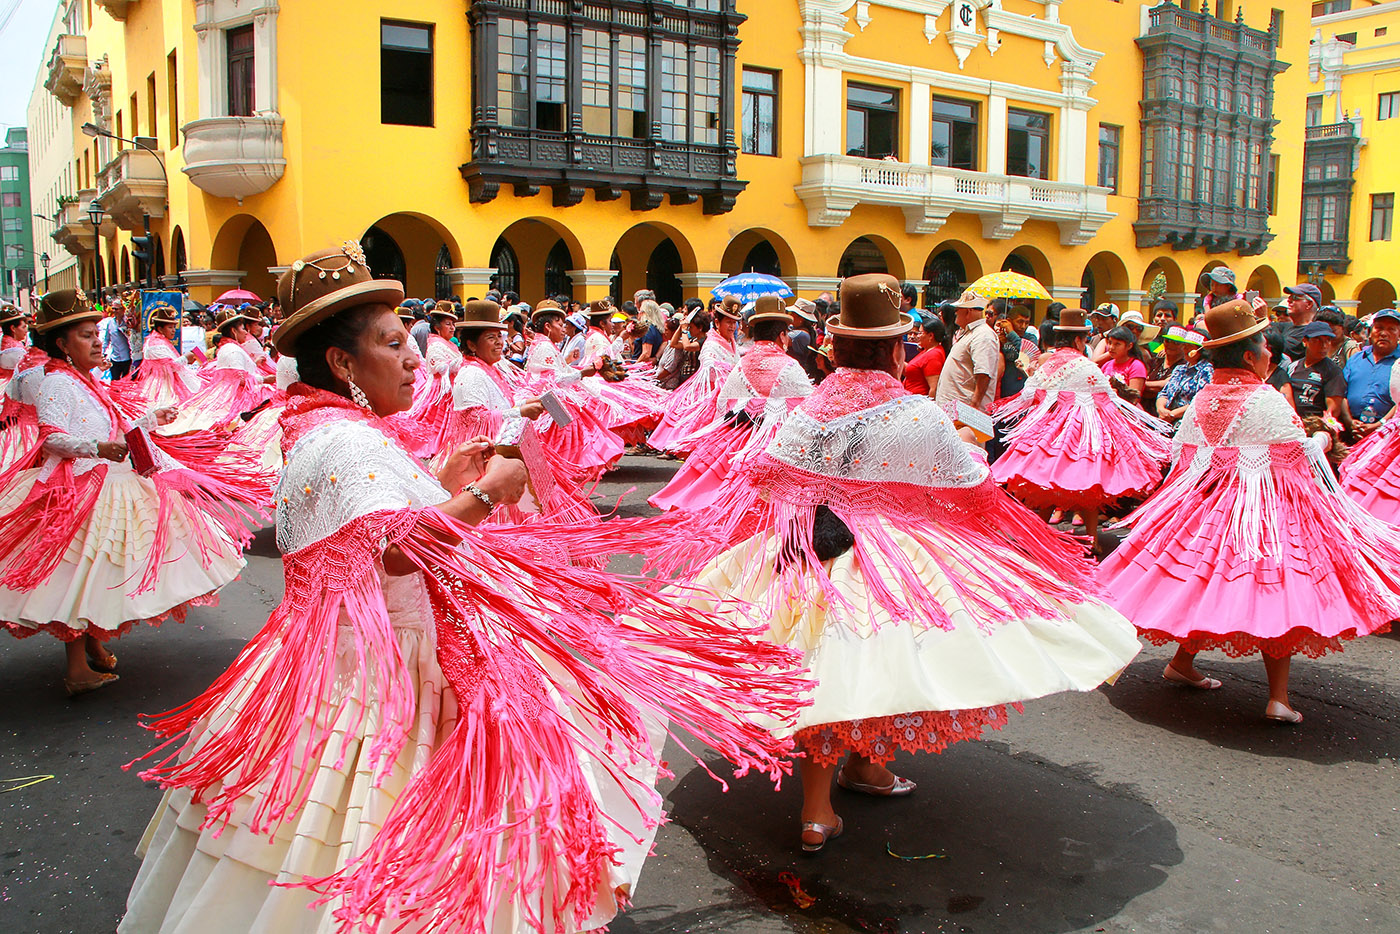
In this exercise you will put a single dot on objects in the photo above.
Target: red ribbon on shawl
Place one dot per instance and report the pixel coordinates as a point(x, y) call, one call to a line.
point(504, 798)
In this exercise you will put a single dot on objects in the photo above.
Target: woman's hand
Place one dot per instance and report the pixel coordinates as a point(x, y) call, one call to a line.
point(504, 480)
point(465, 464)
point(112, 450)
point(531, 408)
point(166, 414)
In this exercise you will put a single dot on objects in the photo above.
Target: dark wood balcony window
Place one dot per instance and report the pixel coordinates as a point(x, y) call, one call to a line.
point(241, 60)
point(872, 121)
point(1027, 143)
point(612, 95)
point(955, 131)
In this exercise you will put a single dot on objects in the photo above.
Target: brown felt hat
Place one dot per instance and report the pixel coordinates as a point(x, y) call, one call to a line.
point(769, 308)
point(324, 283)
point(546, 308)
point(600, 308)
point(227, 316)
point(482, 315)
point(10, 313)
point(1072, 319)
point(1232, 321)
point(870, 308)
point(62, 308)
point(444, 309)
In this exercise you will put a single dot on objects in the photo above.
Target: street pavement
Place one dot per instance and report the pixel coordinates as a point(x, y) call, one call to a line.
point(1136, 808)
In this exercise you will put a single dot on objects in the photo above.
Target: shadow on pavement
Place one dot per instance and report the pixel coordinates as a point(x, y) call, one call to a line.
point(1022, 846)
point(1345, 716)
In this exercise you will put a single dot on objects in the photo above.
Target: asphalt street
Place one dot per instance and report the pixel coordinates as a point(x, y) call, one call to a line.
point(1138, 807)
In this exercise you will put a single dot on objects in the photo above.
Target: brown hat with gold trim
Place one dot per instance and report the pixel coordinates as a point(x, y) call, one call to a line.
point(769, 308)
point(731, 307)
point(62, 308)
point(324, 283)
point(1232, 321)
point(10, 313)
point(870, 308)
point(601, 307)
point(480, 315)
point(227, 316)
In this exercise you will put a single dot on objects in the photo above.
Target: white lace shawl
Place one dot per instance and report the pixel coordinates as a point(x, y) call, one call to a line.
point(231, 356)
point(907, 440)
point(544, 358)
point(81, 423)
point(737, 391)
point(1265, 419)
point(714, 353)
point(287, 372)
point(474, 388)
point(341, 471)
point(442, 357)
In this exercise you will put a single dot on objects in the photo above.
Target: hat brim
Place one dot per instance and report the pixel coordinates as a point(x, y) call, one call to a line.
point(482, 326)
point(770, 316)
point(547, 312)
point(1071, 328)
point(731, 315)
point(905, 325)
point(1238, 335)
point(63, 322)
point(219, 326)
point(1149, 331)
point(370, 292)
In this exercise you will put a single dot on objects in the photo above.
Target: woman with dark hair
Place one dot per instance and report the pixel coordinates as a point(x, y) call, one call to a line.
point(433, 731)
point(692, 407)
point(89, 546)
point(432, 399)
point(756, 397)
point(1071, 441)
point(1248, 547)
point(1126, 371)
point(21, 370)
point(924, 598)
point(921, 373)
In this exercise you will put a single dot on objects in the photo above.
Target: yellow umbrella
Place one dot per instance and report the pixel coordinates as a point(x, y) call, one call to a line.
point(1008, 285)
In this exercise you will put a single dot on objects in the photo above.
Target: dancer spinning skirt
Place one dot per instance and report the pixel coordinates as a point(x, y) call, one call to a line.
point(481, 399)
point(586, 441)
point(432, 399)
point(233, 383)
point(634, 401)
point(21, 368)
point(692, 406)
point(1371, 472)
point(1249, 547)
point(88, 546)
point(166, 378)
point(754, 401)
point(1071, 441)
point(437, 730)
point(924, 598)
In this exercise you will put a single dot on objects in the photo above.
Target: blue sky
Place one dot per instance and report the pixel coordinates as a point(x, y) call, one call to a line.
point(21, 52)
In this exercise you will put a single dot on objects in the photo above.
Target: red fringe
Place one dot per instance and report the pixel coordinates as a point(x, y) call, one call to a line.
point(880, 739)
point(35, 535)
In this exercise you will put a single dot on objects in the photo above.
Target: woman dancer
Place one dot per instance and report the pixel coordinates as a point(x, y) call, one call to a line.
point(586, 440)
point(1248, 547)
point(233, 384)
point(21, 366)
point(482, 397)
point(1071, 441)
point(89, 547)
point(430, 733)
point(755, 399)
point(693, 405)
point(923, 597)
point(432, 400)
point(1371, 472)
point(634, 403)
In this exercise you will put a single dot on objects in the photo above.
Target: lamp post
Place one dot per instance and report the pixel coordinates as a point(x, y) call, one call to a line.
point(94, 213)
point(145, 144)
point(44, 261)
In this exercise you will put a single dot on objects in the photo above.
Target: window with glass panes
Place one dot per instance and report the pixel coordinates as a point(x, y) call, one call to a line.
point(1382, 215)
point(1388, 106)
point(955, 131)
point(1110, 141)
point(872, 121)
point(1027, 143)
point(759, 113)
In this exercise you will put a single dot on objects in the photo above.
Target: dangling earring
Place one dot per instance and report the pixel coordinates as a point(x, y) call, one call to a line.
point(357, 395)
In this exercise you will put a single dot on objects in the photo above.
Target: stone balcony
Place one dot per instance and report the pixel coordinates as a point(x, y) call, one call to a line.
point(833, 185)
point(133, 184)
point(234, 157)
point(117, 8)
point(67, 68)
point(73, 229)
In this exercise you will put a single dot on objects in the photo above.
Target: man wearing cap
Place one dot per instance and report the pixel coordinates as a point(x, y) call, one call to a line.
point(803, 334)
point(1368, 372)
point(1303, 302)
point(1187, 378)
point(1318, 390)
point(974, 364)
point(1103, 318)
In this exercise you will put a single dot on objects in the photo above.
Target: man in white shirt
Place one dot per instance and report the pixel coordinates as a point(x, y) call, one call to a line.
point(974, 364)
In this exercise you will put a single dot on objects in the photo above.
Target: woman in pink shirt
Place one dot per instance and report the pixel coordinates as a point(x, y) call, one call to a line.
point(1125, 369)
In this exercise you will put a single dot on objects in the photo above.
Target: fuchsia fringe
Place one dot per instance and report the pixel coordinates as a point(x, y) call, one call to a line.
point(227, 393)
point(507, 781)
point(35, 535)
point(690, 408)
point(1371, 472)
point(1249, 562)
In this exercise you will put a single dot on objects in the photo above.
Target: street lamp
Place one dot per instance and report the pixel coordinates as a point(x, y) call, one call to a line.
point(44, 261)
point(94, 213)
point(140, 142)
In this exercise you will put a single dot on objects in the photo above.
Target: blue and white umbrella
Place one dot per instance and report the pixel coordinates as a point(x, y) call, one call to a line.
point(747, 286)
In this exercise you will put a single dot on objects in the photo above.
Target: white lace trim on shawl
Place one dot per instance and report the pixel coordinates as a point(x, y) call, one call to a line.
point(474, 388)
point(230, 356)
point(737, 391)
point(714, 353)
point(544, 358)
point(341, 471)
point(287, 372)
point(909, 440)
point(1082, 376)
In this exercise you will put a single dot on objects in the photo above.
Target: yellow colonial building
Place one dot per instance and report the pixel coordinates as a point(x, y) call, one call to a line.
point(601, 146)
point(1353, 132)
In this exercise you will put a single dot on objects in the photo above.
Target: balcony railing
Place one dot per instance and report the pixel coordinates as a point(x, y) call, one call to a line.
point(1345, 129)
point(1167, 16)
point(132, 185)
point(234, 157)
point(833, 185)
point(67, 68)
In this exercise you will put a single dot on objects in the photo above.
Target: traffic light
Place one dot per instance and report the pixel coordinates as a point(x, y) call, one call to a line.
point(143, 249)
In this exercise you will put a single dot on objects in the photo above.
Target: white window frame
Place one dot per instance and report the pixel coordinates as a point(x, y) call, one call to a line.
point(212, 19)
